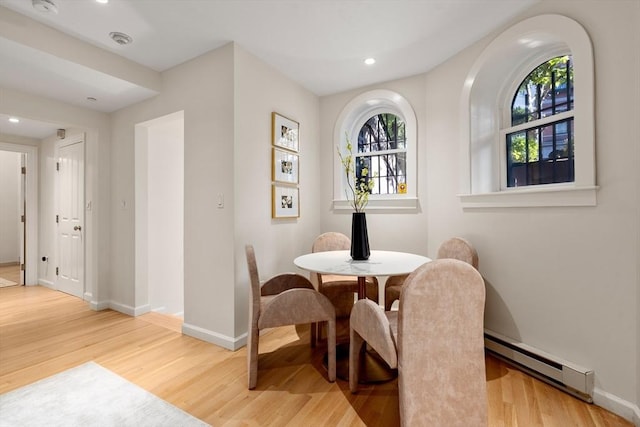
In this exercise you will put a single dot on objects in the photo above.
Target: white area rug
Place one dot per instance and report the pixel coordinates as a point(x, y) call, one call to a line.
point(89, 395)
point(4, 283)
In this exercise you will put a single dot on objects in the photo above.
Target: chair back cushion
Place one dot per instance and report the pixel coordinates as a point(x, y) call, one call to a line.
point(331, 241)
point(459, 248)
point(441, 365)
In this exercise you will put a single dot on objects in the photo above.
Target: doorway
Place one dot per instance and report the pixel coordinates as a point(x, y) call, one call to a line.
point(19, 213)
point(159, 215)
point(11, 218)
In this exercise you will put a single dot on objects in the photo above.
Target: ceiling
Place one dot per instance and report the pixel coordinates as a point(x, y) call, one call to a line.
point(321, 44)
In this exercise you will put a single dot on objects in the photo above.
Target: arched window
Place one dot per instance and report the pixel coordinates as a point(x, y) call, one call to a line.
point(526, 141)
point(539, 139)
point(382, 150)
point(382, 128)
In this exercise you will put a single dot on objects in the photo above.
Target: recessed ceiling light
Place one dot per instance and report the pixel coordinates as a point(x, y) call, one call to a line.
point(370, 61)
point(14, 120)
point(120, 38)
point(91, 98)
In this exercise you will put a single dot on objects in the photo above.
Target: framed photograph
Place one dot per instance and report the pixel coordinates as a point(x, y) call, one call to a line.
point(285, 202)
point(284, 166)
point(285, 132)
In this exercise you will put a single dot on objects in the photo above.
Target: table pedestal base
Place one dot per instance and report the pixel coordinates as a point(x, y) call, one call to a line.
point(372, 368)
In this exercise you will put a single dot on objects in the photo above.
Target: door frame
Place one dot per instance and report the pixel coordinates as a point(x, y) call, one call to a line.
point(31, 210)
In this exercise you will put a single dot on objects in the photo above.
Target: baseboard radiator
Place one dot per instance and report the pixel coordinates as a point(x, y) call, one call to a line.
point(559, 373)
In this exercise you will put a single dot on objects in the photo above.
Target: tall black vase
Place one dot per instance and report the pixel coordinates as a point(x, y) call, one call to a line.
point(359, 237)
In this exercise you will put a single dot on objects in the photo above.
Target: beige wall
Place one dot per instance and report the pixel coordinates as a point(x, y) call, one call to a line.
point(227, 96)
point(203, 88)
point(564, 280)
point(260, 90)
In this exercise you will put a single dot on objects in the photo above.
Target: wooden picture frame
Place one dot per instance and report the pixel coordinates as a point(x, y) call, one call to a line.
point(284, 166)
point(285, 202)
point(284, 132)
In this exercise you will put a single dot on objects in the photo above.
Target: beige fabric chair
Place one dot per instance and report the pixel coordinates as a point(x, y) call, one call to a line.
point(437, 345)
point(340, 289)
point(456, 248)
point(285, 299)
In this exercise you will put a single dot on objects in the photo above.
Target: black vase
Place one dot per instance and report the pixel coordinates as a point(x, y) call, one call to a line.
point(359, 237)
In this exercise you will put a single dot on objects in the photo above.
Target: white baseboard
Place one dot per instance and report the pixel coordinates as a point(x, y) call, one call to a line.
point(46, 283)
point(618, 406)
point(99, 305)
point(127, 309)
point(214, 337)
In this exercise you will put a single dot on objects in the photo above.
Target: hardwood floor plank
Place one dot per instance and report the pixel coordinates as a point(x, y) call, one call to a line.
point(43, 332)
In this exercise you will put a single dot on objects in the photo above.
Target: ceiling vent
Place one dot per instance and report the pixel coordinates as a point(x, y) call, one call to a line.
point(120, 38)
point(47, 6)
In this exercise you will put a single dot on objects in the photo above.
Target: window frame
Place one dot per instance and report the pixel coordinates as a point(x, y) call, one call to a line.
point(506, 127)
point(486, 102)
point(354, 115)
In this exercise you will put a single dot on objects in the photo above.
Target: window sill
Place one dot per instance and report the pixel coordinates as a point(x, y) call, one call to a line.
point(400, 204)
point(532, 197)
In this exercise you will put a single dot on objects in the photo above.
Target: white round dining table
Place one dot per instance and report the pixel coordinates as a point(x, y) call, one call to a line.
point(380, 263)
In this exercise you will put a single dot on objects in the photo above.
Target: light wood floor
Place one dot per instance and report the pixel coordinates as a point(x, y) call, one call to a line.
point(43, 332)
point(10, 272)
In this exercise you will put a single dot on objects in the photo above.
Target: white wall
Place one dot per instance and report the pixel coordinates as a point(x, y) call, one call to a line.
point(388, 230)
point(227, 151)
point(203, 89)
point(564, 280)
point(9, 207)
point(259, 91)
point(166, 216)
point(47, 213)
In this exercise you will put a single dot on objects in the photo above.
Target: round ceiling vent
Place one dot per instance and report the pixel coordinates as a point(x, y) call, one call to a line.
point(44, 6)
point(120, 38)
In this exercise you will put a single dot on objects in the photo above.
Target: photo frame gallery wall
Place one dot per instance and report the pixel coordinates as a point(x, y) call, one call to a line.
point(285, 163)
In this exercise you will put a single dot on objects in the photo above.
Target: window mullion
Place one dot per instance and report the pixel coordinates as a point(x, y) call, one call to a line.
point(541, 122)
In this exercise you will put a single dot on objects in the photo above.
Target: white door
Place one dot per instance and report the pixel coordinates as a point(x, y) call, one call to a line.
point(70, 216)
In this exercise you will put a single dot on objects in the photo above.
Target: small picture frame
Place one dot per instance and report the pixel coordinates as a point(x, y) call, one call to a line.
point(285, 202)
point(285, 132)
point(284, 166)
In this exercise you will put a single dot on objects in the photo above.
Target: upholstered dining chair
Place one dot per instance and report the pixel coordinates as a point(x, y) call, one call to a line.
point(436, 340)
point(340, 290)
point(286, 299)
point(456, 248)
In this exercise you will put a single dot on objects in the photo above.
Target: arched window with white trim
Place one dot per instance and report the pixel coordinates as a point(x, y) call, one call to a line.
point(527, 119)
point(381, 126)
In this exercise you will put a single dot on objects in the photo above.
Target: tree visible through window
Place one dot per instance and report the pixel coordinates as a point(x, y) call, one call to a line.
point(382, 149)
point(540, 139)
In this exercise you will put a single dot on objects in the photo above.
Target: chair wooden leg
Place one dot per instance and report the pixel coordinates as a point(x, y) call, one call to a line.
point(355, 346)
point(252, 357)
point(331, 348)
point(314, 333)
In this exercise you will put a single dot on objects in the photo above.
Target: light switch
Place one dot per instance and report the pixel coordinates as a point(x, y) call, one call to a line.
point(220, 200)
